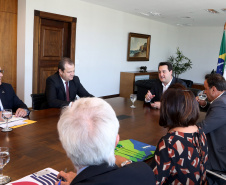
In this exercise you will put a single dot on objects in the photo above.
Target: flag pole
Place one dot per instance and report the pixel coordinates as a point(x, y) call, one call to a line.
point(222, 56)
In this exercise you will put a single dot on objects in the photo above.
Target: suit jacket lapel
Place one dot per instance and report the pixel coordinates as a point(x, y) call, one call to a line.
point(92, 171)
point(61, 86)
point(3, 95)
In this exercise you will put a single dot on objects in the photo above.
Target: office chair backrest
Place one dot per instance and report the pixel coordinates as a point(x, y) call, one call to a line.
point(39, 101)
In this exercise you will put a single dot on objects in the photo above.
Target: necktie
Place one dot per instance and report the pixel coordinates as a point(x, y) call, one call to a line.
point(67, 91)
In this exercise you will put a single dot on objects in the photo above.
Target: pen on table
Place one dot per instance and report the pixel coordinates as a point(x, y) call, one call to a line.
point(61, 178)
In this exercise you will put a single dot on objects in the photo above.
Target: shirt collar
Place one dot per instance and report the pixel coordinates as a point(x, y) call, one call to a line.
point(63, 80)
point(217, 97)
point(167, 85)
point(81, 169)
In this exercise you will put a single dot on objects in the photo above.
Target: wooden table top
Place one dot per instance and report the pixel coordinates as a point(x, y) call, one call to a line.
point(36, 146)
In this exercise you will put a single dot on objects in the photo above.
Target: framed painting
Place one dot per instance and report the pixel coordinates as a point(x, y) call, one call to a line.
point(138, 47)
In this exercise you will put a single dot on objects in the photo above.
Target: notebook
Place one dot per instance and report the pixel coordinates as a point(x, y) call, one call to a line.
point(134, 150)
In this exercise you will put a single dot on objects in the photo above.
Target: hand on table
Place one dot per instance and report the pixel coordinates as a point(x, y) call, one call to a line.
point(68, 177)
point(156, 105)
point(119, 160)
point(149, 96)
point(21, 112)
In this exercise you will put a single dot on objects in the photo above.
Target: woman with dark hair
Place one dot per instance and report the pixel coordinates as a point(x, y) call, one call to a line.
point(181, 155)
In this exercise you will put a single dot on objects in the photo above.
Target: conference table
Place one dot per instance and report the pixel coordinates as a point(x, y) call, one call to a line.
point(36, 146)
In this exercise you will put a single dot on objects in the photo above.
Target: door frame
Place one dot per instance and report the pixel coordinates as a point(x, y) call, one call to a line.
point(37, 20)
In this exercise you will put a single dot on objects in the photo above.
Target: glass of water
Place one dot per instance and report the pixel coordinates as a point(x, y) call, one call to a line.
point(133, 98)
point(7, 114)
point(4, 159)
point(202, 95)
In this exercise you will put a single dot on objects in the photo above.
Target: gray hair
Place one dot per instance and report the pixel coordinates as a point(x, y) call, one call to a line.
point(88, 131)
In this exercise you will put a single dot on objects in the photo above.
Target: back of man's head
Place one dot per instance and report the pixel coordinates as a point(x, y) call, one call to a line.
point(216, 80)
point(88, 131)
point(63, 61)
point(168, 64)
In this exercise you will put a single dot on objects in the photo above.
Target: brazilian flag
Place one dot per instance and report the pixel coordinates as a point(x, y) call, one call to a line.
point(222, 55)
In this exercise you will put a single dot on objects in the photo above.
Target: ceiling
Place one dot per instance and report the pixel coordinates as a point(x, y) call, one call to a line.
point(173, 12)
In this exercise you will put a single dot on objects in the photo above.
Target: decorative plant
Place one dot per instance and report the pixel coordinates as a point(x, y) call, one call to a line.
point(180, 63)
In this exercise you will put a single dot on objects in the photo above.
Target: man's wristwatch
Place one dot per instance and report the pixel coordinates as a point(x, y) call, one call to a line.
point(125, 162)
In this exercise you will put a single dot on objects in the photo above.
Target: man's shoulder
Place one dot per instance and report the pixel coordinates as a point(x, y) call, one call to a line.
point(220, 101)
point(54, 76)
point(132, 174)
point(75, 79)
point(177, 80)
point(6, 85)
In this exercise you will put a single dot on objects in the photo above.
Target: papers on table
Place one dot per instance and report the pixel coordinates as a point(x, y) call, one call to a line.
point(14, 118)
point(12, 122)
point(15, 122)
point(48, 176)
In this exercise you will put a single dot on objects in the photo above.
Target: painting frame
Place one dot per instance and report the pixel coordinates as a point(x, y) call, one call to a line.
point(134, 53)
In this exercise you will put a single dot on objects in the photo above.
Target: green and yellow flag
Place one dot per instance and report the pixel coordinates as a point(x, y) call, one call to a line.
point(222, 56)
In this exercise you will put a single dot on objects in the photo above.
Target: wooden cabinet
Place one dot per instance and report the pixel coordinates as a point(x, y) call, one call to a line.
point(127, 80)
point(8, 38)
point(198, 86)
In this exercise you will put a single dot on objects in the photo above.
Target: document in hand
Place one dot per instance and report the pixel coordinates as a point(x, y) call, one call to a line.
point(43, 177)
point(134, 150)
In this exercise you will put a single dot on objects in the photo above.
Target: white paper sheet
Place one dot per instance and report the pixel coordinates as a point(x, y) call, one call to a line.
point(14, 121)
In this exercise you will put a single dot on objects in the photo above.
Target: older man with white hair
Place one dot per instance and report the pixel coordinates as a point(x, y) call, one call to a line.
point(88, 131)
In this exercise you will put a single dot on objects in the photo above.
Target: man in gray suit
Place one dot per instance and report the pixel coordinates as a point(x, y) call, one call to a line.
point(214, 124)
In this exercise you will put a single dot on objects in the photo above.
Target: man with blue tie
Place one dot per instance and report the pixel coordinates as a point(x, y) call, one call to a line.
point(63, 86)
point(9, 100)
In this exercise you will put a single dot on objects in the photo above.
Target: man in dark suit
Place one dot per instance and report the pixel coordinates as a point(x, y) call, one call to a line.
point(9, 100)
point(214, 124)
point(63, 86)
point(166, 79)
point(88, 131)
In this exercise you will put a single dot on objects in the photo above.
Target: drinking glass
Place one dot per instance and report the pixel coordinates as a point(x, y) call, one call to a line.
point(7, 114)
point(202, 95)
point(4, 159)
point(133, 98)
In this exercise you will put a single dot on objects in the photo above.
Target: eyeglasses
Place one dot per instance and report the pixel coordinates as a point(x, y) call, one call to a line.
point(1, 71)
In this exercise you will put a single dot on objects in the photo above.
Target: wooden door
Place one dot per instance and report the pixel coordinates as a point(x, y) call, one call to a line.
point(54, 38)
point(8, 40)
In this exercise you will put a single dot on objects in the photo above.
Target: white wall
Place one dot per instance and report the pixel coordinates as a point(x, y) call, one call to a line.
point(101, 44)
point(202, 46)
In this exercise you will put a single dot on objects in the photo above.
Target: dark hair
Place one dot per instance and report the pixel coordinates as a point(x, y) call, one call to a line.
point(63, 61)
point(216, 80)
point(168, 64)
point(179, 107)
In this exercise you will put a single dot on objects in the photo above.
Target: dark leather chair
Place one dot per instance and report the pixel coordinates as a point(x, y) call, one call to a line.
point(39, 101)
point(216, 177)
point(189, 83)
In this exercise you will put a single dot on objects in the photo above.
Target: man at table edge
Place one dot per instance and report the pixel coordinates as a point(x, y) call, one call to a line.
point(214, 124)
point(9, 100)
